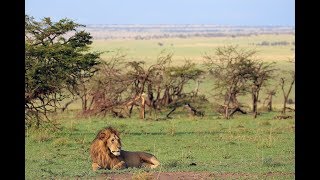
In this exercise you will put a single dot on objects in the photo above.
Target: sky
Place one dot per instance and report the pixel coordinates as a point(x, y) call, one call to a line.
point(218, 12)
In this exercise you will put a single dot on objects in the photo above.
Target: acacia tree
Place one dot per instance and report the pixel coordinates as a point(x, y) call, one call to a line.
point(231, 68)
point(174, 82)
point(56, 60)
point(110, 87)
point(260, 74)
point(179, 76)
point(287, 78)
point(147, 80)
point(283, 83)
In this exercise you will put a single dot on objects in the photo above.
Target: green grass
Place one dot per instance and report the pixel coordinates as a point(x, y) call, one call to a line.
point(238, 145)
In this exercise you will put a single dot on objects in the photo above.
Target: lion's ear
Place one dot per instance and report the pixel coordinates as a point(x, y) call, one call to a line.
point(117, 134)
point(102, 136)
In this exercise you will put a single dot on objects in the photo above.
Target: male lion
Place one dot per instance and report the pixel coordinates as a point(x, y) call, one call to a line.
point(106, 153)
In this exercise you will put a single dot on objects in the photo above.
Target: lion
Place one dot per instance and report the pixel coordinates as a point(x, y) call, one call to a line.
point(106, 153)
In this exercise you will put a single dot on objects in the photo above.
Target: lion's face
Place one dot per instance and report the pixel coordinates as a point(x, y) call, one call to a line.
point(114, 144)
point(111, 139)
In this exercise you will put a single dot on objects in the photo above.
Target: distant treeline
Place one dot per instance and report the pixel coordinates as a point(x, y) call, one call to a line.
point(277, 43)
point(140, 32)
point(140, 37)
point(184, 36)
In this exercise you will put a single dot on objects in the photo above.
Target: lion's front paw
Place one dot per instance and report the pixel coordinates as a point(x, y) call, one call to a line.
point(95, 166)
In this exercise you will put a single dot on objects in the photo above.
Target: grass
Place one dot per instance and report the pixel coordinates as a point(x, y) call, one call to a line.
point(239, 145)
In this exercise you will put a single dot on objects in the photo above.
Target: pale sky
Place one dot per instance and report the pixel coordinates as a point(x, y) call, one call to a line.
point(219, 12)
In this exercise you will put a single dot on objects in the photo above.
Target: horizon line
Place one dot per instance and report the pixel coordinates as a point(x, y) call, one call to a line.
point(271, 25)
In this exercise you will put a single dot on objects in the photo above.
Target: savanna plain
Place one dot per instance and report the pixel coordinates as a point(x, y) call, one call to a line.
point(237, 148)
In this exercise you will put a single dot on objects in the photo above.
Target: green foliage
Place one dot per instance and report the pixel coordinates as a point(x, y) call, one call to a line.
point(177, 77)
point(231, 68)
point(187, 71)
point(239, 145)
point(236, 72)
point(56, 60)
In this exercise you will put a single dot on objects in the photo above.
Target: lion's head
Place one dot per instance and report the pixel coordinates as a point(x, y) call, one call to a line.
point(111, 140)
point(105, 149)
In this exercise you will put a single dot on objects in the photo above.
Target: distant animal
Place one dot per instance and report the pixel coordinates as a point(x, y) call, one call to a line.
point(106, 153)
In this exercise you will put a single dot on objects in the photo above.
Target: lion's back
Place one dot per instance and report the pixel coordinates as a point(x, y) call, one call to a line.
point(132, 159)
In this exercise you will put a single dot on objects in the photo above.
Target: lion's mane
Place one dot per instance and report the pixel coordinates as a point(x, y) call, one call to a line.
point(98, 151)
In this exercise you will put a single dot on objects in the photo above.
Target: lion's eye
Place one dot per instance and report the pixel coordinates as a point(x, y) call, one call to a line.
point(112, 140)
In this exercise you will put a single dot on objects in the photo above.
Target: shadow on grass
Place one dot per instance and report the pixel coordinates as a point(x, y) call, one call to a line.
point(176, 133)
point(164, 133)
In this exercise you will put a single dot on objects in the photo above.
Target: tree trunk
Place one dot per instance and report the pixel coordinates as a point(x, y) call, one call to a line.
point(226, 105)
point(254, 103)
point(226, 111)
point(130, 110)
point(270, 103)
point(231, 99)
point(142, 108)
point(166, 97)
point(286, 95)
point(255, 98)
point(84, 103)
point(284, 105)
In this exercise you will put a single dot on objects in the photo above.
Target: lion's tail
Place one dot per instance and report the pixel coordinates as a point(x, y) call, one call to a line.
point(150, 159)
